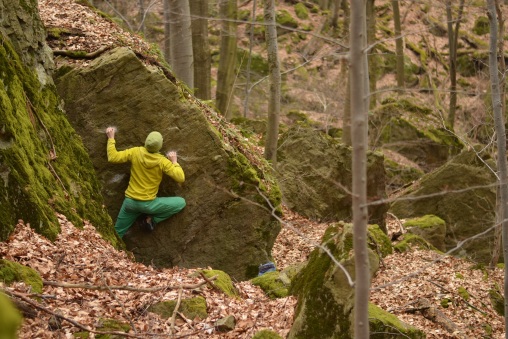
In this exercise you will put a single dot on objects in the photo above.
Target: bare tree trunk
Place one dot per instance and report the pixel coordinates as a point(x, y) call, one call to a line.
point(373, 59)
point(346, 116)
point(182, 59)
point(141, 16)
point(167, 47)
point(501, 139)
point(359, 108)
point(452, 42)
point(249, 61)
point(336, 5)
point(275, 82)
point(399, 46)
point(227, 58)
point(201, 49)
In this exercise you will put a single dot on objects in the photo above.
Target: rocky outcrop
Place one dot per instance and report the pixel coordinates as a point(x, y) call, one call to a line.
point(225, 224)
point(463, 194)
point(44, 167)
point(314, 172)
point(405, 127)
point(326, 299)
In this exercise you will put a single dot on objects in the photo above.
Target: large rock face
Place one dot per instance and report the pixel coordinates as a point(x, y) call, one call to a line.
point(315, 176)
point(462, 193)
point(44, 167)
point(222, 225)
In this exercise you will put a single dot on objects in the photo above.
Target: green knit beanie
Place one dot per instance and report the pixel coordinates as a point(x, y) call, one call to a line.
point(153, 142)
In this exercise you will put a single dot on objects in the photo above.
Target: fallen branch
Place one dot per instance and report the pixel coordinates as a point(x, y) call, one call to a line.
point(210, 281)
point(81, 54)
point(128, 288)
point(173, 316)
point(59, 316)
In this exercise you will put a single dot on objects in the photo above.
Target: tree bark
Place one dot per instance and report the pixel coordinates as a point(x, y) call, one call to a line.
point(141, 16)
point(399, 47)
point(180, 39)
point(201, 49)
point(359, 107)
point(227, 58)
point(275, 83)
point(167, 48)
point(249, 61)
point(452, 43)
point(373, 59)
point(501, 138)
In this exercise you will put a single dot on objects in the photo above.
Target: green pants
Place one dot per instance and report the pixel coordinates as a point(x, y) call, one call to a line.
point(159, 209)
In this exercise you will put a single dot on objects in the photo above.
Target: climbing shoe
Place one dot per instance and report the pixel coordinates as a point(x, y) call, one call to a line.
point(147, 223)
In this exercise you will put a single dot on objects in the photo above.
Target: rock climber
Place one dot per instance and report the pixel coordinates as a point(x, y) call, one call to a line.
point(147, 169)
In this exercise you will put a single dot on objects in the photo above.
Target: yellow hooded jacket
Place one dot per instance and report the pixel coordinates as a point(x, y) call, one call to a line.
point(146, 170)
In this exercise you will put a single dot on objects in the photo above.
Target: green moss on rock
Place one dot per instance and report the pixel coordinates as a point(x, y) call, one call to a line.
point(10, 319)
point(45, 167)
point(481, 25)
point(223, 282)
point(12, 271)
point(271, 284)
point(301, 11)
point(111, 325)
point(379, 241)
point(411, 240)
point(191, 308)
point(386, 325)
point(266, 334)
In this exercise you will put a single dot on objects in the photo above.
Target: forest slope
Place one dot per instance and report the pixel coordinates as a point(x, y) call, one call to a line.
point(80, 256)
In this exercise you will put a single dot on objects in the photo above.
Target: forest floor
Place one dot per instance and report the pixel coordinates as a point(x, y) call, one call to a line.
point(80, 256)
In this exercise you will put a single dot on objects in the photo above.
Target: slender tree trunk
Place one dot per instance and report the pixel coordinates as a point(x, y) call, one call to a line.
point(452, 42)
point(359, 108)
point(201, 49)
point(346, 117)
point(141, 16)
point(182, 59)
point(336, 5)
point(167, 45)
point(501, 139)
point(399, 46)
point(227, 58)
point(373, 59)
point(249, 61)
point(275, 83)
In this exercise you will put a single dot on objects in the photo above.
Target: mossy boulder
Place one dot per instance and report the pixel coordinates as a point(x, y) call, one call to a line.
point(314, 172)
point(430, 228)
point(10, 320)
point(462, 194)
point(497, 300)
point(429, 148)
point(272, 284)
point(111, 325)
point(302, 12)
point(325, 297)
point(227, 210)
point(11, 271)
point(408, 127)
point(379, 241)
point(400, 174)
point(383, 324)
point(223, 282)
point(44, 167)
point(284, 19)
point(409, 240)
point(266, 334)
point(481, 25)
point(191, 308)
